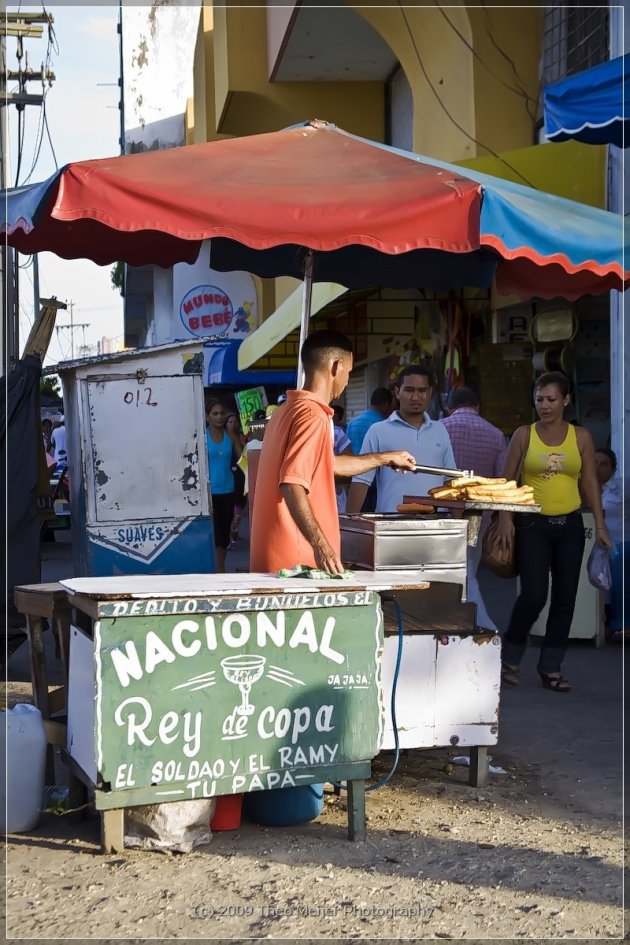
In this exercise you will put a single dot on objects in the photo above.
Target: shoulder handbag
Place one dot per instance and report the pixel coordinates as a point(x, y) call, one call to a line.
point(496, 556)
point(501, 560)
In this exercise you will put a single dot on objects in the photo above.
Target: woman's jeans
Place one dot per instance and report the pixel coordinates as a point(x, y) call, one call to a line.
point(545, 545)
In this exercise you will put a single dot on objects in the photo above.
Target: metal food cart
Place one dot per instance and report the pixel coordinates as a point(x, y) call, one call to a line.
point(138, 467)
point(449, 684)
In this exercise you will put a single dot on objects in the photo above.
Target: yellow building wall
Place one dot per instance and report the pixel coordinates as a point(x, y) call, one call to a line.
point(474, 75)
point(201, 122)
point(469, 98)
point(573, 170)
point(430, 54)
point(247, 103)
point(507, 44)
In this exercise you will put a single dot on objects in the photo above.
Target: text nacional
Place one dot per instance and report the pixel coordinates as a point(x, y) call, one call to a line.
point(235, 631)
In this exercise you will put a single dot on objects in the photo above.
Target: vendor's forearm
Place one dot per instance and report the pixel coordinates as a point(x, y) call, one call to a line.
point(348, 465)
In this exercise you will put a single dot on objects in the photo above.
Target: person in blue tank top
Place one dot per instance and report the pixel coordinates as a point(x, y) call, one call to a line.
point(220, 447)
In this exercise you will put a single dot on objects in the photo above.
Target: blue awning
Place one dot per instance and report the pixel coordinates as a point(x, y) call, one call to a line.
point(221, 367)
point(589, 106)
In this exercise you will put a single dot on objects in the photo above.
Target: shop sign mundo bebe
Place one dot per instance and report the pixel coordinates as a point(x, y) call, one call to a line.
point(197, 698)
point(207, 311)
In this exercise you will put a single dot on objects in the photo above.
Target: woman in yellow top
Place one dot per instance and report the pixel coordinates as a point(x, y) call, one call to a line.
point(556, 459)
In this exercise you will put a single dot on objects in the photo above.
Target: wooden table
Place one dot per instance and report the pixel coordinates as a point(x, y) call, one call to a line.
point(40, 602)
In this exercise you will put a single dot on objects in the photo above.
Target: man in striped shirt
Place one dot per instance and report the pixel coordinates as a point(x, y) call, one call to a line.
point(480, 446)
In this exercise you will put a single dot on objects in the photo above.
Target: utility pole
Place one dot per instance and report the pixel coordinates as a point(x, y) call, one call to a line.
point(6, 260)
point(20, 26)
point(121, 80)
point(72, 327)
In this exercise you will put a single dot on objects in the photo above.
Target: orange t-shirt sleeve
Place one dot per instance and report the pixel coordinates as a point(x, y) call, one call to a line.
point(308, 438)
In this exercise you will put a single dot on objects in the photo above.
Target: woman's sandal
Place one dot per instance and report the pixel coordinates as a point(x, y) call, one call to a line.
point(510, 675)
point(555, 683)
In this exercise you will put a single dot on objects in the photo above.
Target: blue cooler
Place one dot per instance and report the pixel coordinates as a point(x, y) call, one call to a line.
point(285, 807)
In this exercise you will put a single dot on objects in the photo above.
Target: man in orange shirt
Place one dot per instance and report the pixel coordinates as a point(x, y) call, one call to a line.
point(295, 518)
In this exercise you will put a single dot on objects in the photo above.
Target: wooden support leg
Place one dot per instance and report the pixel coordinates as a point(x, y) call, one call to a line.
point(356, 810)
point(478, 770)
point(62, 628)
point(39, 682)
point(113, 830)
point(39, 676)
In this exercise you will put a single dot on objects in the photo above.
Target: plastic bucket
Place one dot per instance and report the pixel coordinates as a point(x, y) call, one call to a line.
point(285, 807)
point(227, 813)
point(23, 745)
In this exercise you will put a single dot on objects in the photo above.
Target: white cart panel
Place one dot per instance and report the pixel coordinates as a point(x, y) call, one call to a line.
point(145, 449)
point(81, 706)
point(447, 693)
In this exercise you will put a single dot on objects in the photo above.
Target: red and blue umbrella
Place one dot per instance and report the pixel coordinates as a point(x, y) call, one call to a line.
point(364, 213)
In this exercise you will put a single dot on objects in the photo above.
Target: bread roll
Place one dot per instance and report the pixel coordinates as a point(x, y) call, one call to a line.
point(445, 492)
point(473, 480)
point(415, 508)
point(510, 498)
point(508, 486)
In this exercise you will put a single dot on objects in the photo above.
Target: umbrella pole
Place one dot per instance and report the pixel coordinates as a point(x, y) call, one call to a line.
point(306, 311)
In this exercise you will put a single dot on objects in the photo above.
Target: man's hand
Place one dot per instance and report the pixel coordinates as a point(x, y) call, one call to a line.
point(326, 559)
point(399, 460)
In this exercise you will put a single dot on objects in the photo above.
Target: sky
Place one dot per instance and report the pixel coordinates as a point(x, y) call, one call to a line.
point(84, 122)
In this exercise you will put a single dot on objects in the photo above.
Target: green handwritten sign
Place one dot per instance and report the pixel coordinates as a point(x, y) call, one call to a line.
point(242, 697)
point(249, 403)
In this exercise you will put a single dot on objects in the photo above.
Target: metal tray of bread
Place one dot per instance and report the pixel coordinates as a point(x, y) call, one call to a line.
point(469, 505)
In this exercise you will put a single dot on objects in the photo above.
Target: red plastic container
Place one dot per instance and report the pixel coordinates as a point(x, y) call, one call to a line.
point(227, 813)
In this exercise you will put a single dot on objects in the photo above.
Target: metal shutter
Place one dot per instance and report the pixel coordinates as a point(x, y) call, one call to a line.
point(356, 395)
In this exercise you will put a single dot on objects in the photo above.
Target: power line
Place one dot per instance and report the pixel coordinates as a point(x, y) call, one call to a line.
point(446, 111)
point(20, 139)
point(518, 90)
point(21, 26)
point(52, 147)
point(42, 124)
point(39, 138)
point(72, 327)
point(500, 50)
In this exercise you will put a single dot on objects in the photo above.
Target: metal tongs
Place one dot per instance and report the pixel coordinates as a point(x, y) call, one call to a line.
point(438, 471)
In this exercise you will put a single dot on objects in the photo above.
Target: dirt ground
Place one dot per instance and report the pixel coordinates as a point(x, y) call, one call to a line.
point(511, 860)
point(537, 854)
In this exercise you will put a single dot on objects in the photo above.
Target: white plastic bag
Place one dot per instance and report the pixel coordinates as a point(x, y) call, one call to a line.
point(179, 826)
point(598, 567)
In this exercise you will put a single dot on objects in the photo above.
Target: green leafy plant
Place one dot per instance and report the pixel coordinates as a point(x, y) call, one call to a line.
point(118, 277)
point(50, 386)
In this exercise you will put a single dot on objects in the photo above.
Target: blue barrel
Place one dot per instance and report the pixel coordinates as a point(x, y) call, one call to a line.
point(286, 806)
